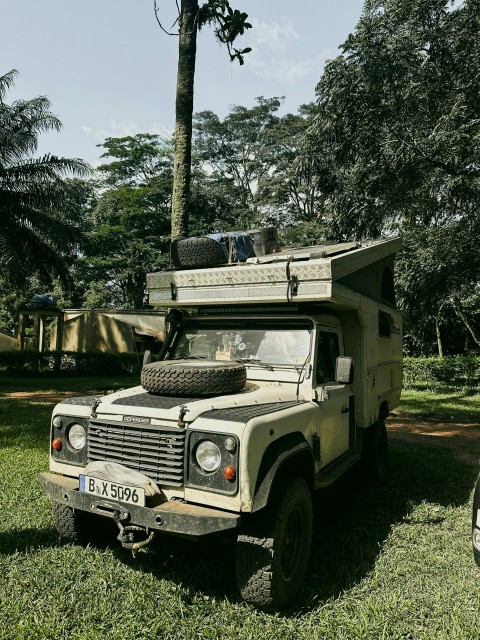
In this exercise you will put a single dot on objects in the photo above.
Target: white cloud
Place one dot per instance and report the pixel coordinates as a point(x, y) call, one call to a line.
point(122, 129)
point(273, 53)
point(273, 35)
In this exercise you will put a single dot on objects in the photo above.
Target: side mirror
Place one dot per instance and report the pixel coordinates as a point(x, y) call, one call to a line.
point(344, 371)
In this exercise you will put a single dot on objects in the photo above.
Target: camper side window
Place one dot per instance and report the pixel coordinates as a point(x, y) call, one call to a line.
point(386, 325)
point(327, 354)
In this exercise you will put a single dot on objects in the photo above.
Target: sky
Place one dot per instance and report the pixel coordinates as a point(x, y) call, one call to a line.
point(109, 70)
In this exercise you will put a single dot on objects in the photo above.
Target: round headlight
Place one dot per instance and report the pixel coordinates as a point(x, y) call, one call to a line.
point(57, 422)
point(77, 436)
point(208, 455)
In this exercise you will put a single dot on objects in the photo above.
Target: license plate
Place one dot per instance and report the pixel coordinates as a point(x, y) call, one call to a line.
point(112, 490)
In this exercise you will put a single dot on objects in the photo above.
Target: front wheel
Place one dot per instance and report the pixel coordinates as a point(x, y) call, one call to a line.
point(81, 527)
point(274, 548)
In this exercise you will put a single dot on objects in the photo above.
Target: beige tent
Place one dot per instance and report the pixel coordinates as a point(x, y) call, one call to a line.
point(111, 330)
point(7, 343)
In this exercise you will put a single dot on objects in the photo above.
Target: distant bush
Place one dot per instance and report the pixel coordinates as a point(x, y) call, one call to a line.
point(451, 371)
point(69, 363)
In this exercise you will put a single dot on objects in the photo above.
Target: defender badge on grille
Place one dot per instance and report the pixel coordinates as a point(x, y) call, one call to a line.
point(137, 420)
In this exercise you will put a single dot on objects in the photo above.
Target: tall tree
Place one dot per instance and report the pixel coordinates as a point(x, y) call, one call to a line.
point(128, 225)
point(397, 133)
point(396, 140)
point(238, 151)
point(228, 24)
point(39, 209)
point(250, 154)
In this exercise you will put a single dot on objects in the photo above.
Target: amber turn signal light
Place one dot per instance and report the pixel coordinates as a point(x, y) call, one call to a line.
point(229, 473)
point(57, 444)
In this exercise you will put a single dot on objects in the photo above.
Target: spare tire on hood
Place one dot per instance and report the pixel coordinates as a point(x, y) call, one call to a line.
point(193, 377)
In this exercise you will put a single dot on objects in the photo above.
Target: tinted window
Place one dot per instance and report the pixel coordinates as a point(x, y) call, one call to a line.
point(386, 325)
point(328, 352)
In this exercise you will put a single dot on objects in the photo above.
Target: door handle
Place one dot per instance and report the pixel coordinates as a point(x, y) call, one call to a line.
point(345, 410)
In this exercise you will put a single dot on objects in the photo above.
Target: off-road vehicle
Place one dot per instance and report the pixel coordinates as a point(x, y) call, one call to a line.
point(274, 380)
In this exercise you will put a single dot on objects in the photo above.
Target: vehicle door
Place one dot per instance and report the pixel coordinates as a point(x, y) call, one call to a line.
point(336, 414)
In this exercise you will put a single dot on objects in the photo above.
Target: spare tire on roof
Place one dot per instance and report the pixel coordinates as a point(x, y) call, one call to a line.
point(193, 377)
point(197, 252)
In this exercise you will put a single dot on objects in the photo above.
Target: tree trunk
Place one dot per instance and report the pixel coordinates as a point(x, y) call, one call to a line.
point(439, 338)
point(463, 318)
point(183, 117)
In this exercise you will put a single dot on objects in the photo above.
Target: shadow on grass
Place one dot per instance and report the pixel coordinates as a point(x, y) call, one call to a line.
point(352, 521)
point(22, 540)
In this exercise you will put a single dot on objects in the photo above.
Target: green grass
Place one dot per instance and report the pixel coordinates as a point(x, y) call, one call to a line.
point(449, 405)
point(390, 562)
point(80, 384)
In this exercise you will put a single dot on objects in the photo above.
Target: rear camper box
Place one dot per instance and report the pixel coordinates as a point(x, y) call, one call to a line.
point(313, 274)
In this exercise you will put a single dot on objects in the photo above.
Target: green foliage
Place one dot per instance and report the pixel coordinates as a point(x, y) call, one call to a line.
point(437, 286)
point(39, 214)
point(397, 133)
point(249, 156)
point(394, 148)
point(228, 24)
point(456, 372)
point(136, 160)
point(127, 227)
point(72, 363)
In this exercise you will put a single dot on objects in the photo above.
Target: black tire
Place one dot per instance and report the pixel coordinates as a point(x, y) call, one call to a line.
point(81, 527)
point(196, 252)
point(193, 377)
point(475, 508)
point(375, 453)
point(273, 550)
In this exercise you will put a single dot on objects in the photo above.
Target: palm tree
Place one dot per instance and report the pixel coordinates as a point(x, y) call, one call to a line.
point(38, 205)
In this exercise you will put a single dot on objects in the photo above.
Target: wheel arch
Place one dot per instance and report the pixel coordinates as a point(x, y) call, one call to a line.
point(291, 456)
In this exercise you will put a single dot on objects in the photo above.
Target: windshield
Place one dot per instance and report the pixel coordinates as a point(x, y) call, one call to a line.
point(248, 342)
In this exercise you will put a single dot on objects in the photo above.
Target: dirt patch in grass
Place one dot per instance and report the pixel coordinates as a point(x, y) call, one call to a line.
point(43, 396)
point(464, 438)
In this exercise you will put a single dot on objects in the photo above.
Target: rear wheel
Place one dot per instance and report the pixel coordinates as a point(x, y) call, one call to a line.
point(274, 548)
point(375, 452)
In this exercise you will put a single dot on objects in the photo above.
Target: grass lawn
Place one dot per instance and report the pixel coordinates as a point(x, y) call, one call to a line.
point(442, 404)
point(390, 562)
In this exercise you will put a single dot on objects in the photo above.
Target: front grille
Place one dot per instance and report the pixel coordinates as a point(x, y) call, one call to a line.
point(157, 452)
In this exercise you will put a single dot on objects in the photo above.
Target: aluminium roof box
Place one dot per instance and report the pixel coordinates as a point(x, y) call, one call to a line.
point(307, 274)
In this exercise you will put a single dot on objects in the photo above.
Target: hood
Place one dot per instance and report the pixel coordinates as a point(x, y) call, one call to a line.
point(138, 403)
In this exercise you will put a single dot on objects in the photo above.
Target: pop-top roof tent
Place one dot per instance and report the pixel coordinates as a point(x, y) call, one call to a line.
point(309, 274)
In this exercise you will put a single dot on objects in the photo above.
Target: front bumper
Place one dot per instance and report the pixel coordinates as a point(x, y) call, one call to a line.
point(170, 517)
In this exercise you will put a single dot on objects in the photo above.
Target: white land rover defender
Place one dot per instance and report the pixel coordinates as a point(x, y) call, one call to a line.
point(253, 405)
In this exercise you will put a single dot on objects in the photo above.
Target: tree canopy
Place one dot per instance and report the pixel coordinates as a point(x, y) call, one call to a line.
point(38, 205)
point(395, 144)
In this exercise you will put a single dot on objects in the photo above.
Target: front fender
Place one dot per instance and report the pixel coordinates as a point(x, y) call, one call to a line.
point(290, 453)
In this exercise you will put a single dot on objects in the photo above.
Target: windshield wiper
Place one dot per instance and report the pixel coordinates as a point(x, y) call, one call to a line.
point(265, 365)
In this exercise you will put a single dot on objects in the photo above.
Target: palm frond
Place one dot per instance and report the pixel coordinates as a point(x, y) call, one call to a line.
point(38, 206)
